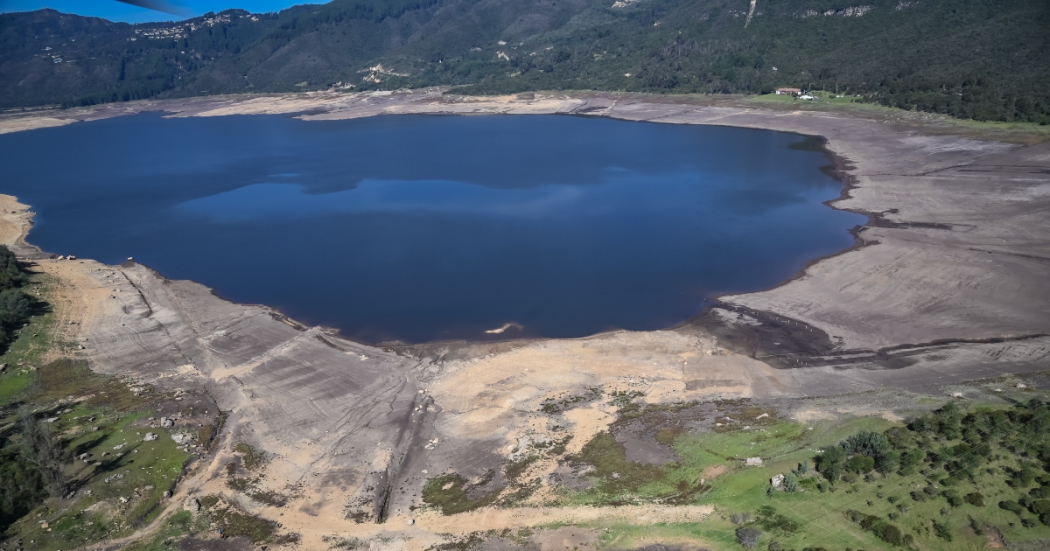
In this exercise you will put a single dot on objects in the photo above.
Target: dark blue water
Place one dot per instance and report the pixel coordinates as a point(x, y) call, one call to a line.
point(421, 228)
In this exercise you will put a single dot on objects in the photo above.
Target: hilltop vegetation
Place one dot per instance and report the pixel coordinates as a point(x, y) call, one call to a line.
point(967, 58)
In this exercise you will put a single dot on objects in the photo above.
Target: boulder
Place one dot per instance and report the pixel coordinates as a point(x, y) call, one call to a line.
point(192, 505)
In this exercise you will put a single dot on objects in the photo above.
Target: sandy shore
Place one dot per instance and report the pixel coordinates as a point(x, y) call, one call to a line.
point(948, 285)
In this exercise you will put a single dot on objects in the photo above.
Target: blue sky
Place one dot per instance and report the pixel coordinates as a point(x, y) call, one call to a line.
point(118, 11)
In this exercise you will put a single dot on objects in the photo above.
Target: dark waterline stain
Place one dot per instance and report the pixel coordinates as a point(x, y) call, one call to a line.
point(422, 228)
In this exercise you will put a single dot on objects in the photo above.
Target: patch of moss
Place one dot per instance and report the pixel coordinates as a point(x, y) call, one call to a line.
point(448, 493)
point(234, 523)
point(514, 469)
point(667, 435)
point(209, 501)
point(617, 474)
point(252, 457)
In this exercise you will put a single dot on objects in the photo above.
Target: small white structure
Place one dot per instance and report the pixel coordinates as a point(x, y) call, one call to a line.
point(753, 462)
point(777, 481)
point(807, 97)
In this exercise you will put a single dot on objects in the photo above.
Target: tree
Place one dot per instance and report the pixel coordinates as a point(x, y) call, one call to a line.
point(830, 463)
point(43, 451)
point(869, 443)
point(911, 458)
point(14, 307)
point(11, 274)
point(888, 461)
point(21, 486)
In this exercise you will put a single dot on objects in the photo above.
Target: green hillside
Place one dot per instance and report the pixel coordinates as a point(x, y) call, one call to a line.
point(982, 59)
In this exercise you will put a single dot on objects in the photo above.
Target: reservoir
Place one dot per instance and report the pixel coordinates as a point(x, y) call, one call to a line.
point(422, 228)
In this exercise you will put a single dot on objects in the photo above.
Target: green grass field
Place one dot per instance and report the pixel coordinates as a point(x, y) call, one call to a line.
point(121, 492)
point(816, 516)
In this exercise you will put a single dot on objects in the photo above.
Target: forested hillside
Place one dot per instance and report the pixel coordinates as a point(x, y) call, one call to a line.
point(983, 59)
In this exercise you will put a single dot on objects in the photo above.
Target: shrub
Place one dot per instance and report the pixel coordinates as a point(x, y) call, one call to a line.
point(975, 498)
point(769, 519)
point(912, 458)
point(860, 464)
point(889, 533)
point(953, 498)
point(1040, 507)
point(1023, 476)
point(942, 531)
point(748, 537)
point(1011, 506)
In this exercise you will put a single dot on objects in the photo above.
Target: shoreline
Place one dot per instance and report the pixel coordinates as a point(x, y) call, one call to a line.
point(355, 428)
point(836, 133)
point(832, 132)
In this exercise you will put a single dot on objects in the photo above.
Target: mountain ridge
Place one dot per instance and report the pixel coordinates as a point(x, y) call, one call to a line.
point(978, 59)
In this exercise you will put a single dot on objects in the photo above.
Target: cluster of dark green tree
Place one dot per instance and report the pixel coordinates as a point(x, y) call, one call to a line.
point(15, 305)
point(980, 59)
point(951, 446)
point(32, 463)
point(28, 453)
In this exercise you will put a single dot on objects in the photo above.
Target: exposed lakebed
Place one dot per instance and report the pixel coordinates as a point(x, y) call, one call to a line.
point(420, 228)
